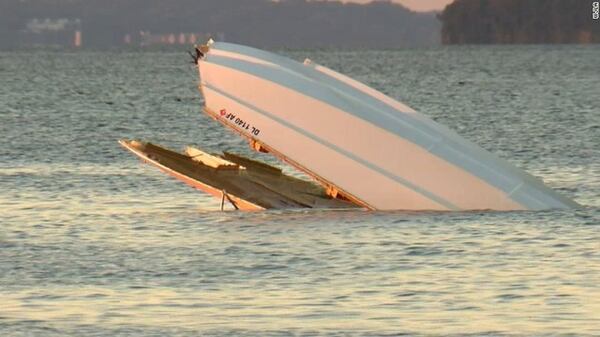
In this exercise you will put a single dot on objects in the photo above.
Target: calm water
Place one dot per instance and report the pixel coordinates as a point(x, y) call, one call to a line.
point(93, 243)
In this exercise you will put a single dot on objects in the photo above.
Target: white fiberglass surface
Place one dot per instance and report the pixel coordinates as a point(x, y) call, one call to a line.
point(339, 93)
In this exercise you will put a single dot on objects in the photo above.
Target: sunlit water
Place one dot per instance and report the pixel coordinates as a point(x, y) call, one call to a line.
point(94, 243)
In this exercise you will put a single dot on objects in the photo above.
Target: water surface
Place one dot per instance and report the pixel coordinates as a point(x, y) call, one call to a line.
point(94, 243)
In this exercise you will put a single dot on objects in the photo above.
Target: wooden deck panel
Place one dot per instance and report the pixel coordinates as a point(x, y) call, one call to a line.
point(253, 182)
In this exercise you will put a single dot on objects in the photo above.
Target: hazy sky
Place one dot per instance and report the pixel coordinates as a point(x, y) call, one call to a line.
point(418, 5)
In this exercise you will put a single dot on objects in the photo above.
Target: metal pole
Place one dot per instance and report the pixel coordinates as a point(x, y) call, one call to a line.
point(223, 199)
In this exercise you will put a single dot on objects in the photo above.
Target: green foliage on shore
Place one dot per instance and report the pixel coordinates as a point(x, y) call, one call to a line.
point(519, 21)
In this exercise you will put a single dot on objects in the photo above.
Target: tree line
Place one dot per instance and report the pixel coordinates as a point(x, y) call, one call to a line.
point(262, 23)
point(519, 21)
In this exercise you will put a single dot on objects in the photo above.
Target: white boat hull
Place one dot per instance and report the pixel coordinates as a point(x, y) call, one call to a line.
point(372, 149)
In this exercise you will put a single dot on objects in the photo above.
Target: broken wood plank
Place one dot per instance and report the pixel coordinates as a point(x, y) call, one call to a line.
point(251, 164)
point(210, 160)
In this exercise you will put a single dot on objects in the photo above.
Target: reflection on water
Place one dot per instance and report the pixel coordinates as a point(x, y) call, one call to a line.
point(94, 243)
point(327, 271)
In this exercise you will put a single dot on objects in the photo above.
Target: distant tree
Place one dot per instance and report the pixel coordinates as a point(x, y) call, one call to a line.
point(519, 21)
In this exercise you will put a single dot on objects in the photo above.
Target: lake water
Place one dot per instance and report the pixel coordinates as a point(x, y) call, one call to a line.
point(94, 243)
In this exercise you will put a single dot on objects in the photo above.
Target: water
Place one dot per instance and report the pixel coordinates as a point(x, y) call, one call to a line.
point(93, 243)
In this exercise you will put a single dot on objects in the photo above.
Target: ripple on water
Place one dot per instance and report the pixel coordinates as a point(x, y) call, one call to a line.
point(92, 243)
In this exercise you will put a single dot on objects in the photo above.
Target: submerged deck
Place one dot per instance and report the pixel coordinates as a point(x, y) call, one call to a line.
point(245, 183)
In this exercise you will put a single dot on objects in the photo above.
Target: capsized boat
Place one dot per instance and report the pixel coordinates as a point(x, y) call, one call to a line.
point(361, 146)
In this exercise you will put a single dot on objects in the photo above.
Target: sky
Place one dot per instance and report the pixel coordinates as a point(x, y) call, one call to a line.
point(418, 5)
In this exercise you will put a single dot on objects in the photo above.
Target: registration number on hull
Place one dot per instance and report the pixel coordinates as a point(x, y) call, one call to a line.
point(240, 123)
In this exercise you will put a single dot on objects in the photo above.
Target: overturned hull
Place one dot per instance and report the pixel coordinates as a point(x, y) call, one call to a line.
point(358, 143)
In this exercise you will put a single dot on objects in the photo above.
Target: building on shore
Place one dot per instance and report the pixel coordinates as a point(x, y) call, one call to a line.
point(46, 32)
